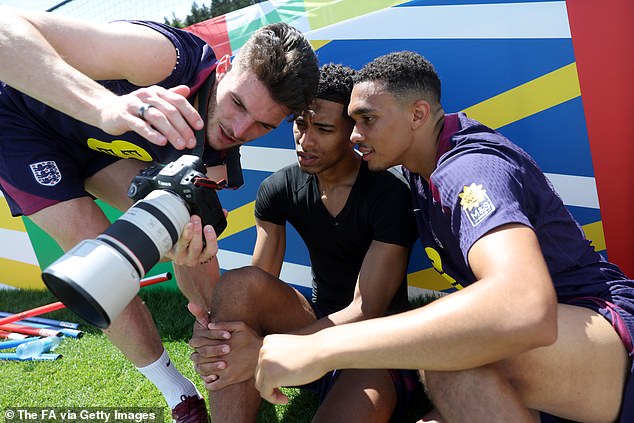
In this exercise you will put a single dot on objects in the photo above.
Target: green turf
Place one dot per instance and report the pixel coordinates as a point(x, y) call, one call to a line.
point(93, 373)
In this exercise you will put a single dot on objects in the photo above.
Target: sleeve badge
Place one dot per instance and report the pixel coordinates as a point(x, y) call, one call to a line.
point(476, 203)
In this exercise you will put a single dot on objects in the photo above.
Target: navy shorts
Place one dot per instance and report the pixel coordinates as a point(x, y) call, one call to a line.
point(38, 169)
point(406, 382)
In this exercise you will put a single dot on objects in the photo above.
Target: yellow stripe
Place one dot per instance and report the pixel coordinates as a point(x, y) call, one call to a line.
point(430, 279)
point(7, 221)
point(317, 44)
point(239, 220)
point(20, 275)
point(527, 99)
point(594, 232)
point(321, 14)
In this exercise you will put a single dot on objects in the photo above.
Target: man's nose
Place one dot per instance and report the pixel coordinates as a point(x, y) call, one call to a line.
point(306, 140)
point(242, 127)
point(356, 137)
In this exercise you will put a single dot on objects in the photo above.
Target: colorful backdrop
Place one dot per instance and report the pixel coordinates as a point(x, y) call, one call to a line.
point(553, 76)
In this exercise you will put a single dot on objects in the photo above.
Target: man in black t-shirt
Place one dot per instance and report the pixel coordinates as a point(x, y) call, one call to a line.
point(358, 227)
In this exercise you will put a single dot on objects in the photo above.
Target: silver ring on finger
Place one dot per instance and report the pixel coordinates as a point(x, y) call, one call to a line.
point(144, 108)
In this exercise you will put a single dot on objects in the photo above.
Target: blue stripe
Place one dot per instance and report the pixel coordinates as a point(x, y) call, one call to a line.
point(563, 145)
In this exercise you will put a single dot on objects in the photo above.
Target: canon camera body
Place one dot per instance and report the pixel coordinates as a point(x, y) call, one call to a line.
point(181, 177)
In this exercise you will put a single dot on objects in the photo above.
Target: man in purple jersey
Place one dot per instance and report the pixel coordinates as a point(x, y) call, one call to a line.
point(540, 328)
point(56, 123)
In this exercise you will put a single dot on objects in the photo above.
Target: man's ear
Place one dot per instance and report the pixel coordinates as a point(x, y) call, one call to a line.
point(223, 66)
point(421, 110)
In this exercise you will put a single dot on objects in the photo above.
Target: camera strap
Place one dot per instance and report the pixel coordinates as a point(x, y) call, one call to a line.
point(203, 99)
point(232, 155)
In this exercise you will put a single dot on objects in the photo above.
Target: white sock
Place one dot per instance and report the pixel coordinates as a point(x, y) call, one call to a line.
point(172, 384)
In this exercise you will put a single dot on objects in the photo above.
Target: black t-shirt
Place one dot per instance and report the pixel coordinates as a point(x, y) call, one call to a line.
point(378, 208)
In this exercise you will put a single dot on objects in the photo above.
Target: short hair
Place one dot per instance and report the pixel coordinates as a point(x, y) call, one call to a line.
point(335, 84)
point(404, 74)
point(284, 61)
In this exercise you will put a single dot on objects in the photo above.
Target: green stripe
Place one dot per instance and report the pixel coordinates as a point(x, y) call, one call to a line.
point(289, 12)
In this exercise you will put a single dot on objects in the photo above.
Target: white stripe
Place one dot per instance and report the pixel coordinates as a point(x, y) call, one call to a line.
point(300, 275)
point(296, 274)
point(297, 17)
point(505, 20)
point(241, 18)
point(302, 23)
point(3, 286)
point(266, 159)
point(16, 245)
point(580, 191)
point(414, 292)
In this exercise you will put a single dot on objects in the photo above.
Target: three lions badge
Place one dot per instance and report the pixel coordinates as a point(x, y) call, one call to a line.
point(46, 173)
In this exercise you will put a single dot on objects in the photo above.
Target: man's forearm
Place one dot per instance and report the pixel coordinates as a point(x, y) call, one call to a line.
point(197, 283)
point(30, 64)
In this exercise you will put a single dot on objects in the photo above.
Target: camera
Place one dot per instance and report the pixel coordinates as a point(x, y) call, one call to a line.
point(98, 277)
point(186, 178)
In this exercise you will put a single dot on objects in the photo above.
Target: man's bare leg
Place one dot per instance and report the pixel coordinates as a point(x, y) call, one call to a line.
point(478, 395)
point(72, 221)
point(266, 305)
point(580, 377)
point(359, 395)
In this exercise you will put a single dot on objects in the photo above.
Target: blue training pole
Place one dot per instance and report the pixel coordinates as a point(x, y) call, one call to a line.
point(14, 343)
point(73, 333)
point(45, 321)
point(41, 357)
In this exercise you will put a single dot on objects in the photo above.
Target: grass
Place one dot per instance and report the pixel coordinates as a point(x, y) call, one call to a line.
point(93, 373)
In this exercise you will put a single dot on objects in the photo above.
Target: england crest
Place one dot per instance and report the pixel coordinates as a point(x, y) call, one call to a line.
point(46, 173)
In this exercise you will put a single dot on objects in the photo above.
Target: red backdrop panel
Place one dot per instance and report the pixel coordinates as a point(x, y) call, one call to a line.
point(214, 31)
point(603, 41)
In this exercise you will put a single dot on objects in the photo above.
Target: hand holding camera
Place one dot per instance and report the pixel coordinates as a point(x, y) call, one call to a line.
point(98, 277)
point(196, 245)
point(186, 178)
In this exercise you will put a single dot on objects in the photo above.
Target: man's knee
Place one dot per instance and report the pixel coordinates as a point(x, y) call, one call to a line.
point(243, 281)
point(237, 293)
point(439, 384)
point(453, 388)
point(246, 274)
point(360, 395)
point(450, 384)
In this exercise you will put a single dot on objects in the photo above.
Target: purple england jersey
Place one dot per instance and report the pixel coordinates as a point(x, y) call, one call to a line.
point(46, 155)
point(483, 181)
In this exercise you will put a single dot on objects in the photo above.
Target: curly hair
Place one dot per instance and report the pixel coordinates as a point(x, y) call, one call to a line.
point(403, 73)
point(284, 61)
point(335, 84)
